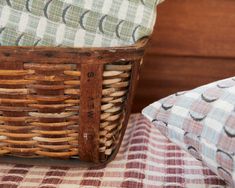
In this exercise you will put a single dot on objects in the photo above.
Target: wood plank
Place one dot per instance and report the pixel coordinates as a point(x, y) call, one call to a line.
point(195, 28)
point(163, 75)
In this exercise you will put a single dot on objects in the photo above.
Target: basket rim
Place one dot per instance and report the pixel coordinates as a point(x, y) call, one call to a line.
point(140, 44)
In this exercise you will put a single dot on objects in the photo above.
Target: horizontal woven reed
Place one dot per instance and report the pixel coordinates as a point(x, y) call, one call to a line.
point(66, 102)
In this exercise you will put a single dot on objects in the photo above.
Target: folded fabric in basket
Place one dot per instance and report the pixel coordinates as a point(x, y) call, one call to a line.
point(75, 23)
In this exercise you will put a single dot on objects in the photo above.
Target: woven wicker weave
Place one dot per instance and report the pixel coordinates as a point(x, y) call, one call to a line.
point(66, 102)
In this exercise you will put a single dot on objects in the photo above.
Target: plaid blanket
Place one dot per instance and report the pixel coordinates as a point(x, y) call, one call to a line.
point(146, 159)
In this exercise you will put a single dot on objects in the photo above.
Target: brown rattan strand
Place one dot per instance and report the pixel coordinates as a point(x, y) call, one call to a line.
point(110, 108)
point(50, 87)
point(16, 82)
point(4, 91)
point(52, 115)
point(108, 128)
point(112, 73)
point(119, 74)
point(111, 67)
point(42, 98)
point(20, 142)
point(113, 92)
point(47, 106)
point(106, 92)
point(72, 82)
point(16, 72)
point(111, 81)
point(114, 109)
point(113, 117)
point(16, 119)
point(16, 128)
point(119, 93)
point(58, 124)
point(104, 116)
point(21, 150)
point(72, 73)
point(61, 132)
point(106, 99)
point(16, 101)
point(15, 109)
point(72, 91)
point(73, 118)
point(57, 154)
point(19, 135)
point(106, 106)
point(72, 101)
point(121, 84)
point(73, 135)
point(118, 100)
point(124, 75)
point(55, 147)
point(55, 140)
point(46, 78)
point(73, 109)
point(113, 100)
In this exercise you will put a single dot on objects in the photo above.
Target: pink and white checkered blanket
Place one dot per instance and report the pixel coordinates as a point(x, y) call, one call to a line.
point(146, 159)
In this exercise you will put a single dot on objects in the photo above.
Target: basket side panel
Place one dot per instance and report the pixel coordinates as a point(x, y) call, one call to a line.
point(39, 104)
point(116, 103)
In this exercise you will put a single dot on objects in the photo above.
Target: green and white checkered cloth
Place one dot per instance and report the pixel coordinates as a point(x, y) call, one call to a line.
point(75, 23)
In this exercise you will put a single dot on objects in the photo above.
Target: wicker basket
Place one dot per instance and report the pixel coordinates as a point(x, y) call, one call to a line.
point(66, 102)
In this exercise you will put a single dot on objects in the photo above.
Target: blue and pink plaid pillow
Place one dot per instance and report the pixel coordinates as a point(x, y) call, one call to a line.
point(201, 121)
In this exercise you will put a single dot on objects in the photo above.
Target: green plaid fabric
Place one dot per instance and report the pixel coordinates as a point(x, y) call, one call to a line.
point(76, 23)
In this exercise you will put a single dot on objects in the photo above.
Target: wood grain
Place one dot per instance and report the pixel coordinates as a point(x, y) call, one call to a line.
point(195, 28)
point(193, 44)
point(89, 119)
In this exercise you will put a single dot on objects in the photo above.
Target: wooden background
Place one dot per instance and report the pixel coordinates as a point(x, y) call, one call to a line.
point(193, 44)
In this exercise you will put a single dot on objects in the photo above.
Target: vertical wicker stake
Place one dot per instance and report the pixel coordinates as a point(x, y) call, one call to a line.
point(89, 123)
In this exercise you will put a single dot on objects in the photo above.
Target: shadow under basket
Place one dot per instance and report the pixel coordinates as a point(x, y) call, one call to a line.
point(66, 103)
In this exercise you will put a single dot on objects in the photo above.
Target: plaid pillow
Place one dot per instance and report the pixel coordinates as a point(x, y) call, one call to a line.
point(201, 121)
point(75, 23)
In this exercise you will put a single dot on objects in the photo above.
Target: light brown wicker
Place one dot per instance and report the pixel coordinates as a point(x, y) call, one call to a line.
point(66, 102)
